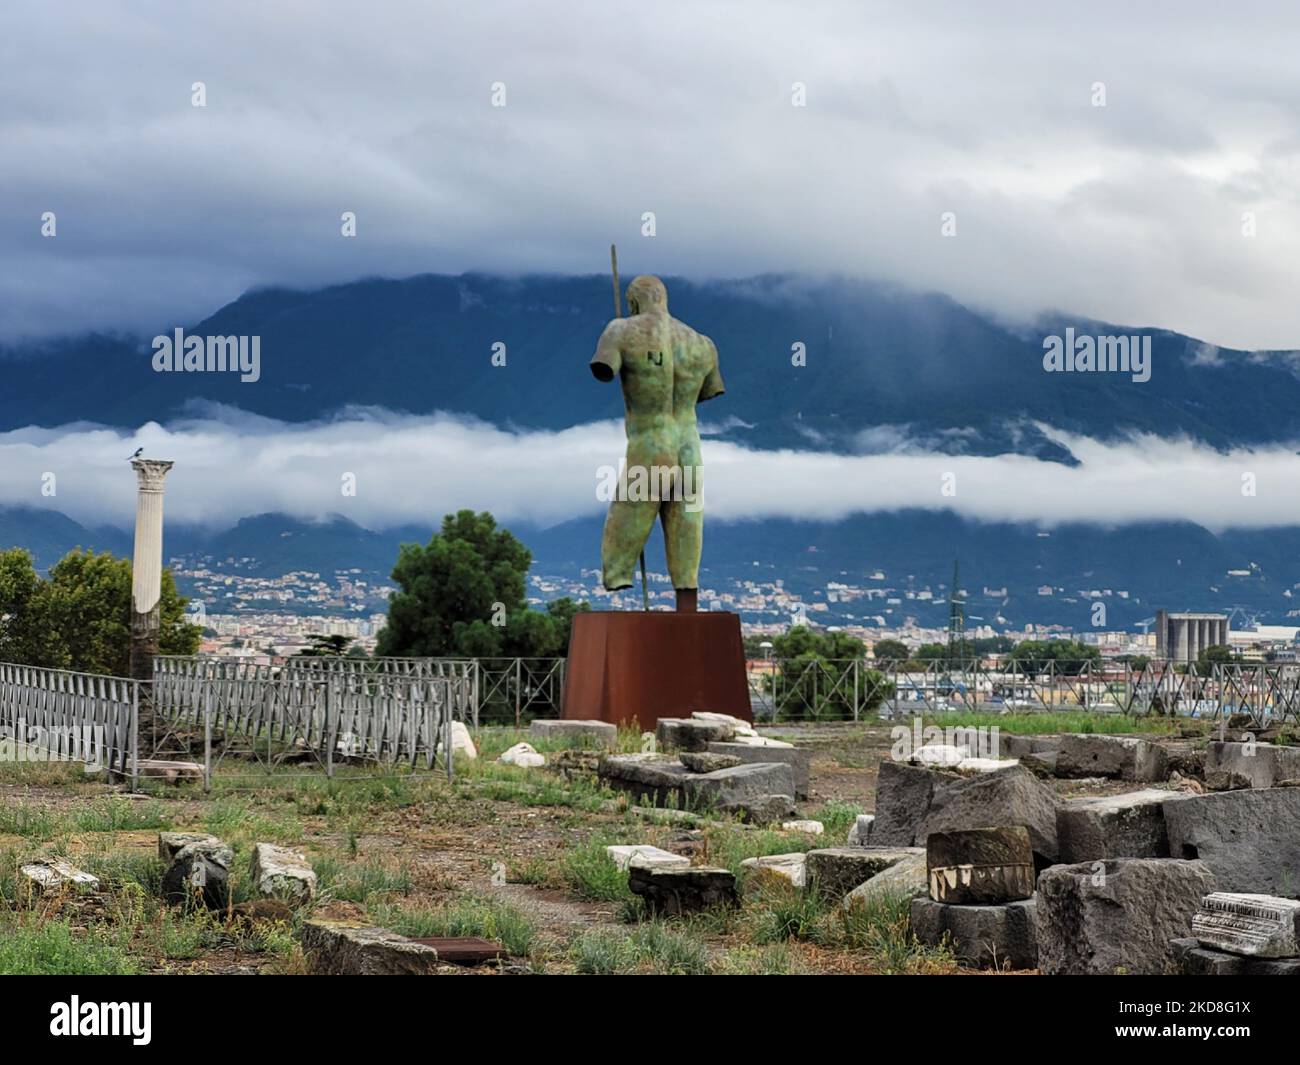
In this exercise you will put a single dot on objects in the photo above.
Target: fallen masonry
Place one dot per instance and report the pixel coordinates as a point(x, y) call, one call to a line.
point(860, 830)
point(199, 874)
point(1248, 839)
point(791, 868)
point(1117, 757)
point(52, 875)
point(523, 755)
point(349, 948)
point(690, 734)
point(980, 866)
point(996, 936)
point(762, 792)
point(1257, 926)
point(835, 871)
point(1115, 826)
point(1192, 959)
point(576, 733)
point(646, 855)
point(799, 759)
point(1259, 765)
point(912, 802)
point(707, 761)
point(281, 873)
point(1005, 799)
point(1117, 915)
point(906, 879)
point(674, 892)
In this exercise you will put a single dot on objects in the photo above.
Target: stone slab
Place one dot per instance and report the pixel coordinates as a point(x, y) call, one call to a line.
point(348, 948)
point(799, 759)
point(1115, 826)
point(646, 855)
point(1116, 916)
point(602, 734)
point(1259, 926)
point(1115, 757)
point(282, 873)
point(675, 892)
point(791, 868)
point(1248, 838)
point(999, 936)
point(835, 871)
point(1192, 959)
point(52, 875)
point(1260, 765)
point(906, 879)
point(689, 734)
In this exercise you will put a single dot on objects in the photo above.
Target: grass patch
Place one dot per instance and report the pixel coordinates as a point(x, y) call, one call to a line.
point(1052, 721)
point(653, 948)
point(360, 881)
point(591, 874)
point(30, 946)
point(472, 915)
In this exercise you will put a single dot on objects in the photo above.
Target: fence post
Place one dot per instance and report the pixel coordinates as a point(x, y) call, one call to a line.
point(135, 736)
point(519, 687)
point(330, 724)
point(856, 677)
point(207, 739)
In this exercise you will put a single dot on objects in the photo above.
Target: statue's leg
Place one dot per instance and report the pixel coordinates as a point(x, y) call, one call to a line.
point(683, 521)
point(627, 527)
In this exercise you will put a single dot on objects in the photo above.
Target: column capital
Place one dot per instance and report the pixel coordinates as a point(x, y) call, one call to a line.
point(150, 473)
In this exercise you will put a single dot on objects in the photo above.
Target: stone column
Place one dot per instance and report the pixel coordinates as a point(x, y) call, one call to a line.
point(146, 585)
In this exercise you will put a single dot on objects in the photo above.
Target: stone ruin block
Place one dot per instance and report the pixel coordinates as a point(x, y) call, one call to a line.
point(49, 876)
point(1248, 839)
point(674, 892)
point(981, 866)
point(281, 873)
point(1192, 959)
point(799, 759)
point(691, 734)
point(791, 868)
point(1117, 915)
point(1117, 757)
point(997, 936)
point(912, 802)
point(1258, 926)
point(1255, 765)
point(644, 854)
point(835, 871)
point(576, 733)
point(762, 792)
point(1115, 826)
point(350, 948)
point(906, 879)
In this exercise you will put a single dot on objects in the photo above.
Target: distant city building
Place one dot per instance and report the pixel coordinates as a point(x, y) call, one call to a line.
point(1182, 637)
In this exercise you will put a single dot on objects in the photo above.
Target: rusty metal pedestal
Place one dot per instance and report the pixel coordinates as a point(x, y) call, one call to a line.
point(639, 665)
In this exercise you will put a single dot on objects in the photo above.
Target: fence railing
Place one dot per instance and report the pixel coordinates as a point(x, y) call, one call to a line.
point(66, 716)
point(817, 689)
point(304, 711)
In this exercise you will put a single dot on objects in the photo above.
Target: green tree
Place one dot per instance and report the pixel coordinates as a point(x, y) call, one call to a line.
point(463, 594)
point(1215, 654)
point(891, 652)
point(80, 617)
point(815, 681)
point(335, 646)
point(1066, 657)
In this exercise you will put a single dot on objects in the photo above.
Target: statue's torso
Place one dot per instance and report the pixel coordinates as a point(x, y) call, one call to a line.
point(664, 364)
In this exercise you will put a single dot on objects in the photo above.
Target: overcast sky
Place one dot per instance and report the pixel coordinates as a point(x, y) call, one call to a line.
point(1131, 212)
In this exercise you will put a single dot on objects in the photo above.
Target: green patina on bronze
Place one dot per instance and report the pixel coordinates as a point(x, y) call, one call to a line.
point(666, 368)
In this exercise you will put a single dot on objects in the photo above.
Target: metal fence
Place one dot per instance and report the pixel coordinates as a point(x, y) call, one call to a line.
point(309, 712)
point(817, 689)
point(63, 716)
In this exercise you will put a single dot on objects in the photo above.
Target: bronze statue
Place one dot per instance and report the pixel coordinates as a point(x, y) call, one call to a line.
point(665, 367)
